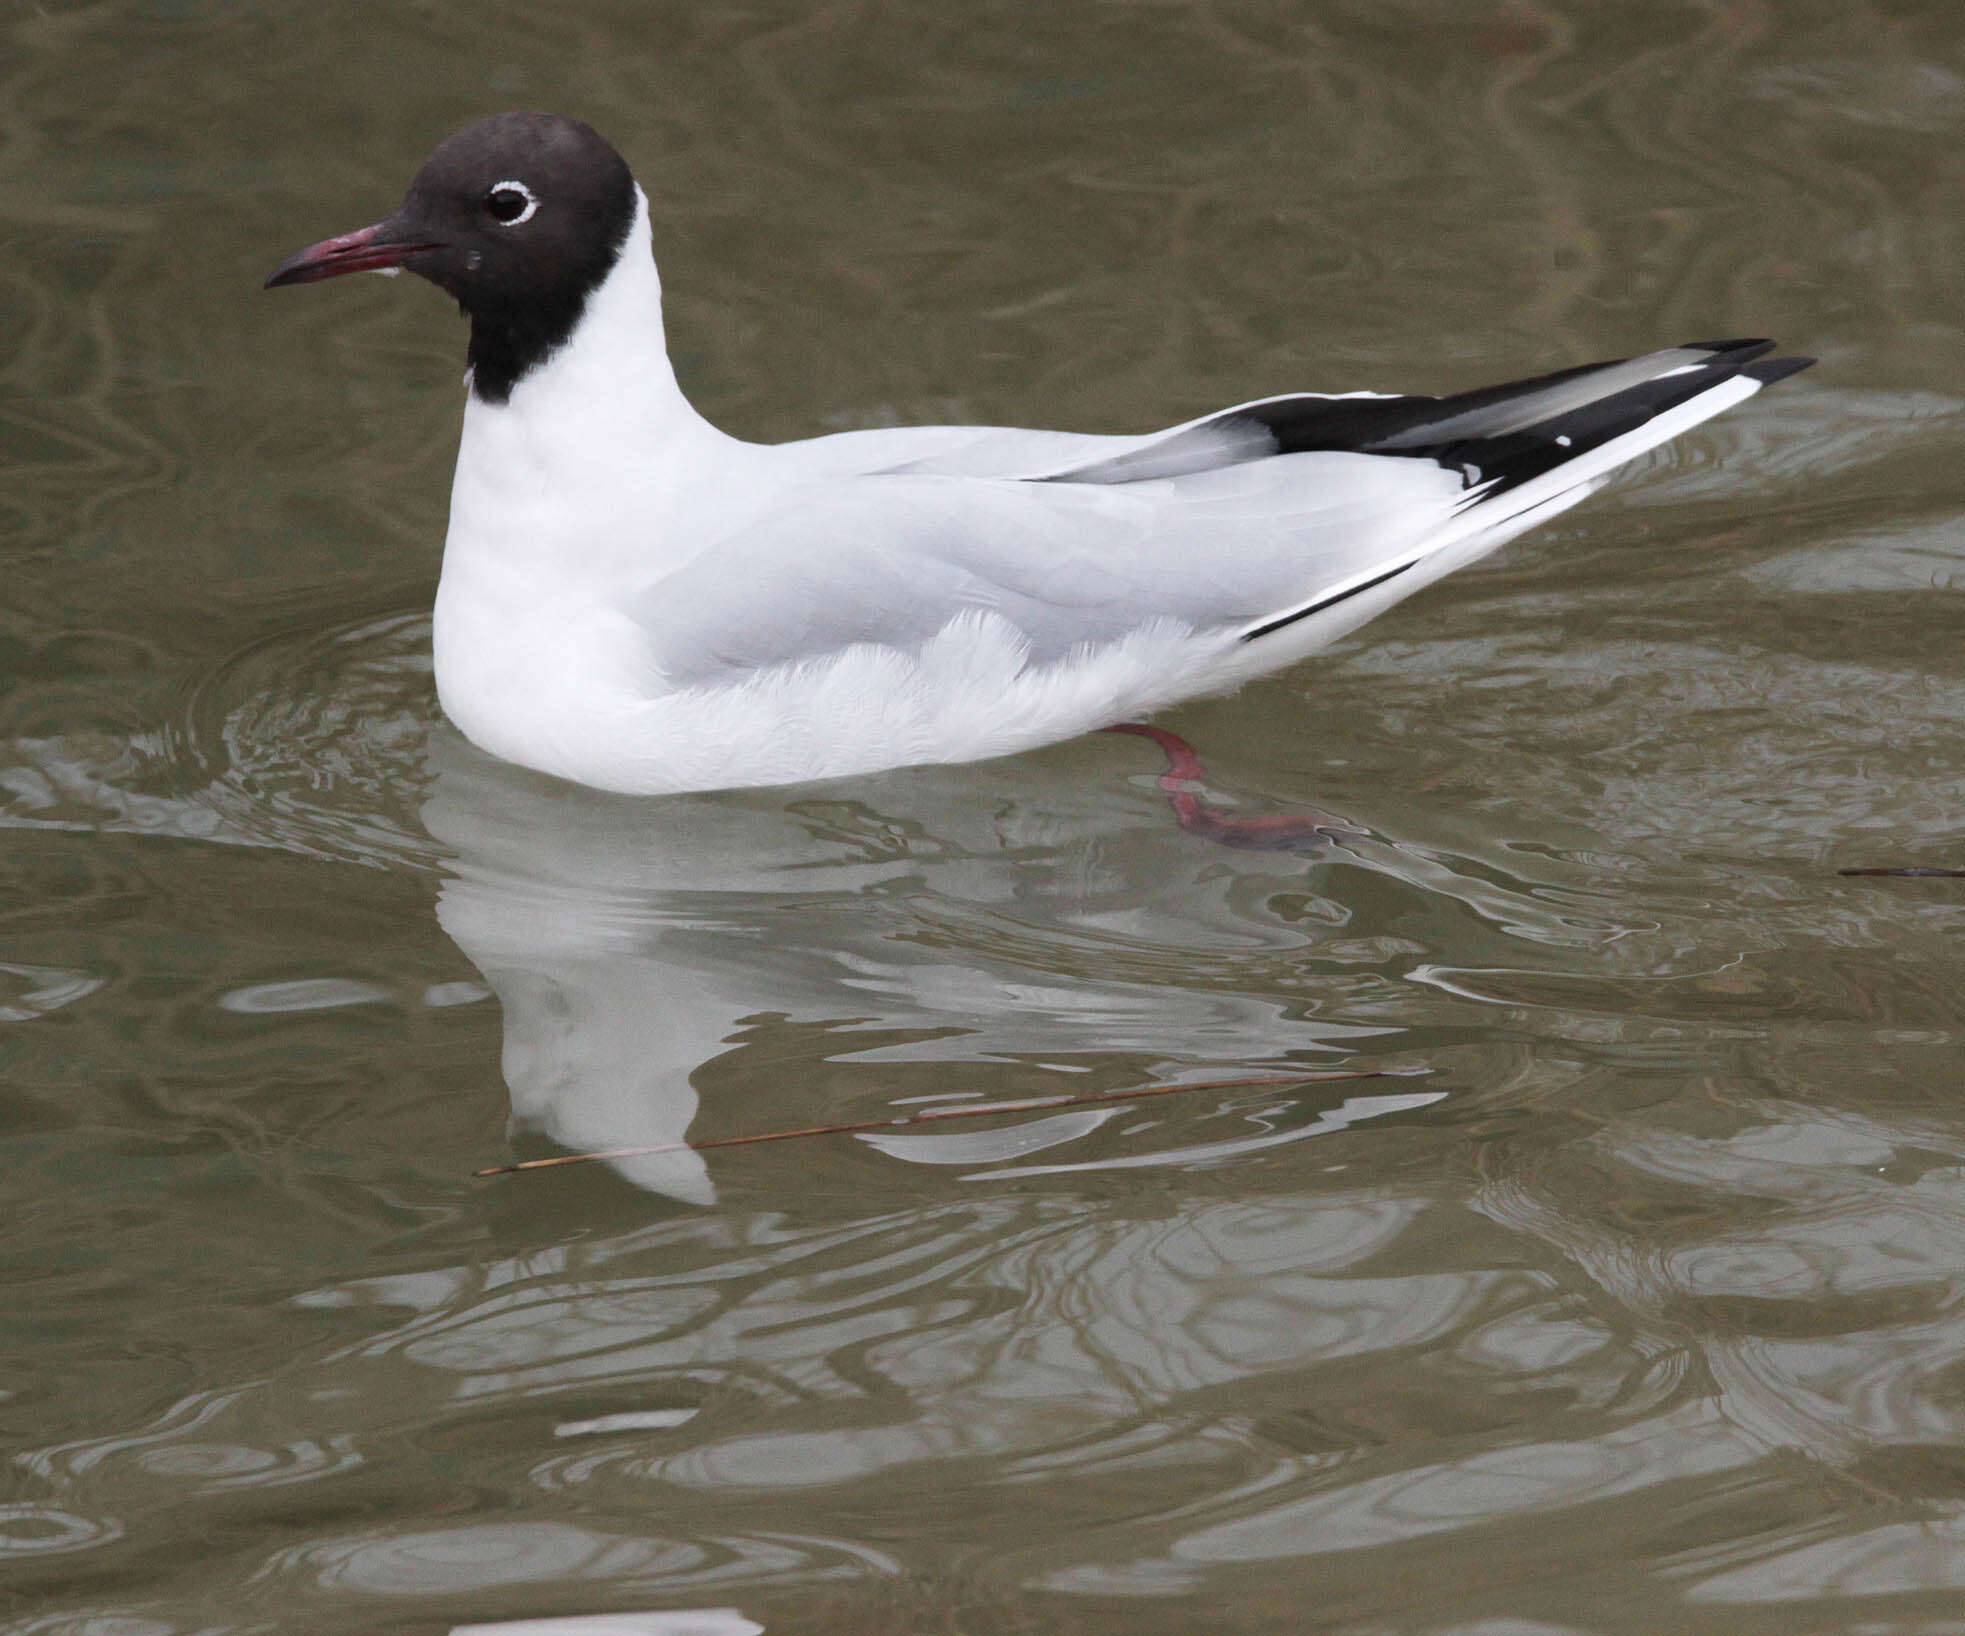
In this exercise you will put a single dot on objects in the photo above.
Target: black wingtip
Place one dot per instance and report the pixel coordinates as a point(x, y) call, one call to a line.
point(1776, 369)
point(1736, 352)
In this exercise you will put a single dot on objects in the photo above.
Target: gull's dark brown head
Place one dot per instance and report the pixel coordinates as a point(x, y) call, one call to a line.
point(519, 216)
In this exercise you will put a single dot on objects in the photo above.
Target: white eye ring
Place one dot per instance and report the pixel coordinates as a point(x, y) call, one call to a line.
point(531, 200)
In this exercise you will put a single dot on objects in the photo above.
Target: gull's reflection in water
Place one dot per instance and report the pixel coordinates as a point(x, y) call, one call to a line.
point(1044, 908)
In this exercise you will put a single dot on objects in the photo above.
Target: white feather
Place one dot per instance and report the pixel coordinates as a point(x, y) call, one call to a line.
point(634, 600)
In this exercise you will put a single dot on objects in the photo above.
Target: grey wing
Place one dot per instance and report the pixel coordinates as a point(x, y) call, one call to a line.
point(1249, 520)
point(894, 559)
point(1223, 438)
point(1516, 429)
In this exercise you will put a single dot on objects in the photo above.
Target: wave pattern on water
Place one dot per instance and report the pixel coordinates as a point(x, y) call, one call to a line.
point(1641, 1310)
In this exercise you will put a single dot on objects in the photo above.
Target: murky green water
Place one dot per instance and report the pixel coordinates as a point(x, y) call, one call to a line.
point(1640, 1312)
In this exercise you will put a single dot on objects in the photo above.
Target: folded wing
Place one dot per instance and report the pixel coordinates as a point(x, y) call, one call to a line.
point(1239, 525)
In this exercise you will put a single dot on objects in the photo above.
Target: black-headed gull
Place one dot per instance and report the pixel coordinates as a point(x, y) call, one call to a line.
point(633, 600)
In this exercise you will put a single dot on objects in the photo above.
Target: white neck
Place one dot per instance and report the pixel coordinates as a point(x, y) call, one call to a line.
point(596, 433)
point(616, 361)
point(581, 487)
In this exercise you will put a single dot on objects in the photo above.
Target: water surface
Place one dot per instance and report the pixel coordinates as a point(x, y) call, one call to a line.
point(1636, 1311)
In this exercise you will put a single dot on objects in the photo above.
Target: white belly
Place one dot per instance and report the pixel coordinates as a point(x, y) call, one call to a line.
point(558, 687)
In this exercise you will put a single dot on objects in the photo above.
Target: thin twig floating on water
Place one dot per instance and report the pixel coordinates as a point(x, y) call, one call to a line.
point(1907, 872)
point(973, 1110)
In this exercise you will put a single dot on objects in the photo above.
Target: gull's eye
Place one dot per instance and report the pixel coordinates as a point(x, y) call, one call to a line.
point(511, 202)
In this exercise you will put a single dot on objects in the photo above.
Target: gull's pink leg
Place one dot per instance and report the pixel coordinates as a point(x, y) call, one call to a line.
point(1273, 832)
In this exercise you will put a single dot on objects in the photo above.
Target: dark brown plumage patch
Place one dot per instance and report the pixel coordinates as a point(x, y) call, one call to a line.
point(523, 284)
